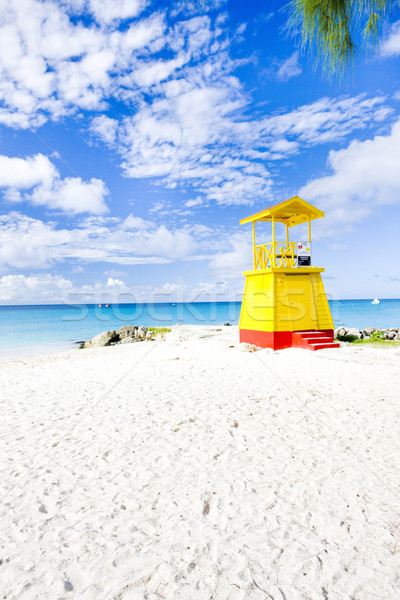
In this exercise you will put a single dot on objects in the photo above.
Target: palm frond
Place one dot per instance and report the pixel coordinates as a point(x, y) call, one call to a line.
point(333, 29)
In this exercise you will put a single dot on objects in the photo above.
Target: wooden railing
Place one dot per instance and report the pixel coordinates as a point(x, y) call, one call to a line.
point(280, 254)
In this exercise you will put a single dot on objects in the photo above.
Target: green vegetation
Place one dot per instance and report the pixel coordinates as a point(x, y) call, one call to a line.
point(376, 339)
point(159, 330)
point(333, 30)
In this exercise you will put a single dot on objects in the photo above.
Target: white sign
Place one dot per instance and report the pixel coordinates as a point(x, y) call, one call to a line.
point(304, 254)
point(303, 248)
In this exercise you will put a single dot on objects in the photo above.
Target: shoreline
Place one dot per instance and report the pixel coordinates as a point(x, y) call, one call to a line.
point(342, 334)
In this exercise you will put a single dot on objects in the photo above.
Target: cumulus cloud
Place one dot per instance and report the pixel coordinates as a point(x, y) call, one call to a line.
point(25, 173)
point(71, 195)
point(31, 243)
point(25, 289)
point(391, 44)
point(289, 68)
point(364, 175)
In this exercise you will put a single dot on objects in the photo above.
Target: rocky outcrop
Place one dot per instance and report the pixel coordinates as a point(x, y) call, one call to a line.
point(127, 334)
point(127, 331)
point(348, 334)
point(106, 338)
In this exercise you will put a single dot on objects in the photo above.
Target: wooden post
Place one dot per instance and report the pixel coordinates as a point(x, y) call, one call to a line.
point(273, 242)
point(309, 229)
point(287, 246)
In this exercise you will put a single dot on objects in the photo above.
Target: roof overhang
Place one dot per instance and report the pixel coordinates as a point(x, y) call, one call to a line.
point(294, 211)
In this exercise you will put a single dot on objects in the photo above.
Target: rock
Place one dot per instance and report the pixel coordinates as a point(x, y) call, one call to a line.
point(150, 335)
point(390, 335)
point(370, 330)
point(141, 332)
point(395, 329)
point(397, 337)
point(226, 324)
point(127, 331)
point(103, 339)
point(355, 332)
point(128, 340)
point(340, 331)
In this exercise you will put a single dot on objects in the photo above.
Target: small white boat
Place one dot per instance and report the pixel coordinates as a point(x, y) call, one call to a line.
point(375, 301)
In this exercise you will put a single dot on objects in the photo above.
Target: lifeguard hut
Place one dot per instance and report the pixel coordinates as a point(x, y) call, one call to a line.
point(284, 301)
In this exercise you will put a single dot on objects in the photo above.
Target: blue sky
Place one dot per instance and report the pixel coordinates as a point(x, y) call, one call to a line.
point(134, 136)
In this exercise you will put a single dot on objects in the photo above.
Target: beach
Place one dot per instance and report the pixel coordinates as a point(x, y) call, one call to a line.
point(197, 467)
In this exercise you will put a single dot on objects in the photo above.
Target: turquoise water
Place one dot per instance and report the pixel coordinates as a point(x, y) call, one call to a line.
point(29, 330)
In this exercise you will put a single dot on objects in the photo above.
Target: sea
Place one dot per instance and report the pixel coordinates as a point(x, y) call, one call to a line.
point(33, 330)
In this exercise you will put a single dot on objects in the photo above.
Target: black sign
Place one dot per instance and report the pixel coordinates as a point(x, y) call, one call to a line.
point(304, 261)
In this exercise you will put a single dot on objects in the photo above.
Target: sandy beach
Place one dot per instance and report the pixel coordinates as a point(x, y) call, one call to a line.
point(193, 467)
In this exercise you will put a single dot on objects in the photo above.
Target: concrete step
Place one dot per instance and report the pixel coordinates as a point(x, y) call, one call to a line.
point(323, 346)
point(311, 334)
point(313, 340)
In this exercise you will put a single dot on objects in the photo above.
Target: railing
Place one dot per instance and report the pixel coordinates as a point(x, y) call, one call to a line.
point(285, 255)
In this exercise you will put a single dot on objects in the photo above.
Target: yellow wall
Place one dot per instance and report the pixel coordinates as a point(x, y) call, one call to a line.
point(285, 301)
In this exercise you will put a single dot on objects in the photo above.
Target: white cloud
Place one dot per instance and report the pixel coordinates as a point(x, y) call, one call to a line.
point(46, 288)
point(364, 175)
point(391, 45)
point(107, 11)
point(199, 201)
point(71, 195)
point(25, 173)
point(43, 287)
point(30, 243)
point(289, 68)
point(105, 128)
point(189, 122)
point(51, 66)
point(194, 134)
point(325, 120)
point(112, 282)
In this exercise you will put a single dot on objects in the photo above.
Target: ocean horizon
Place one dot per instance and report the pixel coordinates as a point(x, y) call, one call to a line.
point(29, 330)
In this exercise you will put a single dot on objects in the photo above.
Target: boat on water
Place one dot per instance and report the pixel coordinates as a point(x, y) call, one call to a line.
point(375, 301)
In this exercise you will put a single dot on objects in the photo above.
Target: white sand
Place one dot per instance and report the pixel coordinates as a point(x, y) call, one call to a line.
point(186, 469)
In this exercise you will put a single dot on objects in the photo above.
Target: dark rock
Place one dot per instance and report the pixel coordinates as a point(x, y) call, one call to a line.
point(369, 330)
point(127, 331)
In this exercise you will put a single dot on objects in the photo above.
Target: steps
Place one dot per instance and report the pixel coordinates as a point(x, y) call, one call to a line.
point(314, 340)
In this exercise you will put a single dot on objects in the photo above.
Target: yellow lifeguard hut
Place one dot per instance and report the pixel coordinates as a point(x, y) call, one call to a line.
point(284, 301)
